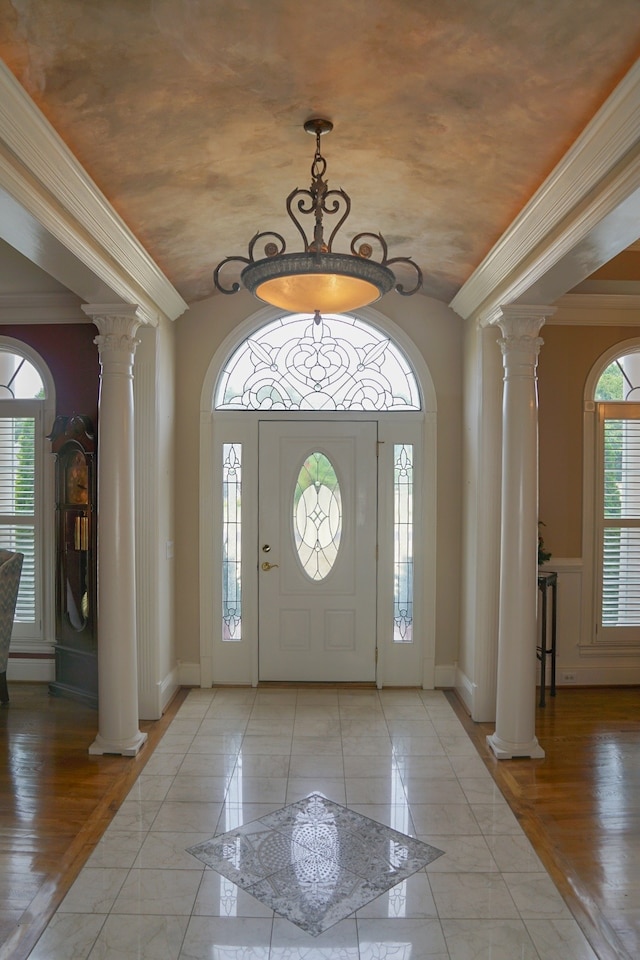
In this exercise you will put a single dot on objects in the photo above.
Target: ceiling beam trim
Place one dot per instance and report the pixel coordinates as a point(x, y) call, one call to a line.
point(40, 308)
point(41, 173)
point(595, 176)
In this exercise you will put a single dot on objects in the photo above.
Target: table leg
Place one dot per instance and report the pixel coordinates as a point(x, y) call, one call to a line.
point(543, 648)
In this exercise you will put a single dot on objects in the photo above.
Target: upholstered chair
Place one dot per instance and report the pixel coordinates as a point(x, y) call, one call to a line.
point(10, 570)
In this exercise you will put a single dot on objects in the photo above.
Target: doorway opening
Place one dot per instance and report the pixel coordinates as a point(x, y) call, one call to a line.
point(318, 505)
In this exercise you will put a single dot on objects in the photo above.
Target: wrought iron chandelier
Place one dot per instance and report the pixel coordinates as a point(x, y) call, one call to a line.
point(318, 280)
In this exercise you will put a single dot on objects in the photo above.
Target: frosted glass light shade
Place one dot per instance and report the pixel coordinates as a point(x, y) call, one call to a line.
point(325, 292)
point(327, 283)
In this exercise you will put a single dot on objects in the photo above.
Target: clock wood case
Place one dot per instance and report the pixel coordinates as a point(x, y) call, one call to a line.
point(74, 447)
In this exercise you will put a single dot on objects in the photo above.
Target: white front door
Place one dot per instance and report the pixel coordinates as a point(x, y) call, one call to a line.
point(317, 550)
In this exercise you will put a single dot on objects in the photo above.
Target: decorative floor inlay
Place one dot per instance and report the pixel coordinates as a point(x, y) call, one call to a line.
point(315, 862)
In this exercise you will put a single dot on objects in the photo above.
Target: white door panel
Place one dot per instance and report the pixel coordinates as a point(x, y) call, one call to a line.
point(323, 628)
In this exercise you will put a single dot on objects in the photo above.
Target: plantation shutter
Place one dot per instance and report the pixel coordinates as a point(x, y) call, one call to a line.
point(19, 503)
point(619, 527)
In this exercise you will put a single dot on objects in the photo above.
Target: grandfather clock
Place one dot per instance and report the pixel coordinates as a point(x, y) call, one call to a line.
point(73, 444)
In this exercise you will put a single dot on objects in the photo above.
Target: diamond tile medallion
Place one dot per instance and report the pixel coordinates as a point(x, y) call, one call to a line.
point(315, 862)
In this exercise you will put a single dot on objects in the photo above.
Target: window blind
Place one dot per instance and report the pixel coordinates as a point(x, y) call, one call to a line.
point(621, 523)
point(18, 504)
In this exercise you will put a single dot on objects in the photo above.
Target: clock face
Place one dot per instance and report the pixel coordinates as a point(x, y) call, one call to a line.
point(77, 479)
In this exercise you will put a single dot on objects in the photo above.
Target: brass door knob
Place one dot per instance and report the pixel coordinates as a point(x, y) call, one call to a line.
point(268, 566)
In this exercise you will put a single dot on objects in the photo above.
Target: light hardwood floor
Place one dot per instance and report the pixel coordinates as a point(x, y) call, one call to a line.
point(580, 806)
point(55, 803)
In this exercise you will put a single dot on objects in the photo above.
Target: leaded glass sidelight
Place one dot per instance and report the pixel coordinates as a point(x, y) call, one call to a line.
point(403, 543)
point(317, 516)
point(231, 541)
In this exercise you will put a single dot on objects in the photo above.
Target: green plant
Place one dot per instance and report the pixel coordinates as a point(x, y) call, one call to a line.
point(543, 555)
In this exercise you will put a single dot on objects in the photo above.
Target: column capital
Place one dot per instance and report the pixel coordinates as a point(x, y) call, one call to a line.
point(520, 343)
point(117, 324)
point(522, 319)
point(118, 318)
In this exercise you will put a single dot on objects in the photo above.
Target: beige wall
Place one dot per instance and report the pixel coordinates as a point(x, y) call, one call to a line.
point(567, 356)
point(199, 332)
point(437, 334)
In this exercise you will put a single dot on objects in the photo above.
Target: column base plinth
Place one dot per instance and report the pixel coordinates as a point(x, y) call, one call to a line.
point(126, 748)
point(505, 750)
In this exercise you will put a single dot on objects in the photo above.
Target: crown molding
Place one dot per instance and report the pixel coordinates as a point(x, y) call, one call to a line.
point(39, 171)
point(597, 173)
point(40, 308)
point(597, 310)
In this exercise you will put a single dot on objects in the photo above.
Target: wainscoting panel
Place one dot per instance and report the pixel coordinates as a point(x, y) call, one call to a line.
point(580, 662)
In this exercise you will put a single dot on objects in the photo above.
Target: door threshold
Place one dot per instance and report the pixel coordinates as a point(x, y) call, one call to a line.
point(343, 684)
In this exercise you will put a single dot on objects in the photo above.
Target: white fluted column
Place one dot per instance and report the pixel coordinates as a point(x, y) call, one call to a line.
point(117, 646)
point(517, 632)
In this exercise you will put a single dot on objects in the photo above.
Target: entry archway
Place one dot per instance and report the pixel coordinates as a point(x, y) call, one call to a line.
point(345, 365)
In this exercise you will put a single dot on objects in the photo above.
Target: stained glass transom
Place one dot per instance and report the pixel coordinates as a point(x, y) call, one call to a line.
point(232, 541)
point(317, 516)
point(341, 363)
point(403, 543)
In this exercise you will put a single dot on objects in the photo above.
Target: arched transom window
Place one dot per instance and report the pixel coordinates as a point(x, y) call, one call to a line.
point(341, 363)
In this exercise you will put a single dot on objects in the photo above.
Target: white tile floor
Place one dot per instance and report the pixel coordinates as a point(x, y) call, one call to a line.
point(232, 756)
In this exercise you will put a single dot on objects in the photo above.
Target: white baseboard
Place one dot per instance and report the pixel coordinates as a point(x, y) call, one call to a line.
point(152, 702)
point(30, 670)
point(168, 688)
point(445, 675)
point(465, 689)
point(188, 674)
point(598, 675)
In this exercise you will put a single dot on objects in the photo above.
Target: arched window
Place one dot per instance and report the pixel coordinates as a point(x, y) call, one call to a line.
point(617, 500)
point(24, 392)
point(620, 380)
point(341, 363)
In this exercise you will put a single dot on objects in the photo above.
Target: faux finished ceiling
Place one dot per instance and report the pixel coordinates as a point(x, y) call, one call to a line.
point(448, 114)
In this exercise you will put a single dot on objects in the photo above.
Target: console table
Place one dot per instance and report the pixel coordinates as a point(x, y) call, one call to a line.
point(546, 580)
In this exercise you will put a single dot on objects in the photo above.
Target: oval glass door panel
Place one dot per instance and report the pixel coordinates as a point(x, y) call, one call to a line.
point(317, 516)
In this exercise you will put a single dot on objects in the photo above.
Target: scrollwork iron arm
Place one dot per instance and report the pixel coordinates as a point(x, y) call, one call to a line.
point(400, 286)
